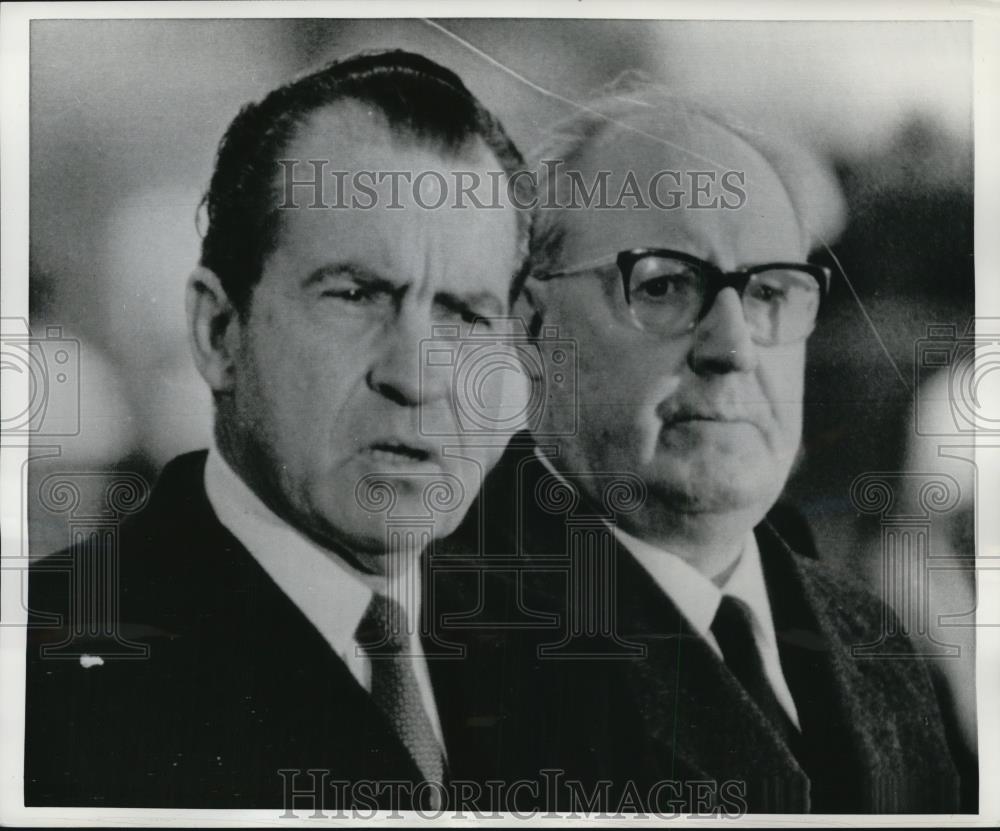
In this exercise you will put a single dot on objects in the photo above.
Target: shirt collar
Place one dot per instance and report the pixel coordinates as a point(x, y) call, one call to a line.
point(328, 589)
point(693, 593)
point(746, 583)
point(697, 597)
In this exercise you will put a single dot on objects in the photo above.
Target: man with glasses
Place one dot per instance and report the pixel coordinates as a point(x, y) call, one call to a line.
point(686, 643)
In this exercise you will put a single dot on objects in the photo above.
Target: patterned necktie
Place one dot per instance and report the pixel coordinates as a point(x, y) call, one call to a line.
point(733, 630)
point(382, 634)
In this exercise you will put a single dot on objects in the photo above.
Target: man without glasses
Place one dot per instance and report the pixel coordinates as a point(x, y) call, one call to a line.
point(279, 603)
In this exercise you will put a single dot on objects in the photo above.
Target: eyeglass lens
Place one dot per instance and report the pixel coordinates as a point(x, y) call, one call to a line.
point(667, 296)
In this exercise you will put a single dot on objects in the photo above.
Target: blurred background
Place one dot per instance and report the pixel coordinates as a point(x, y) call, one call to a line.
point(126, 115)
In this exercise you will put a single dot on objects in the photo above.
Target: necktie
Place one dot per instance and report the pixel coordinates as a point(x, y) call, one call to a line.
point(382, 634)
point(733, 630)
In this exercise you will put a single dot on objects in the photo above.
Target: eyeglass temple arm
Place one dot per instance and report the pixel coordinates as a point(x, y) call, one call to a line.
point(576, 269)
point(732, 278)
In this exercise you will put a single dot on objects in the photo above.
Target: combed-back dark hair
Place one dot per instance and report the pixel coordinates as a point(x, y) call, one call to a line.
point(415, 95)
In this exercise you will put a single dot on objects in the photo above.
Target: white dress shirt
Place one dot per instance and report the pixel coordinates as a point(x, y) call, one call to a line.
point(698, 598)
point(329, 591)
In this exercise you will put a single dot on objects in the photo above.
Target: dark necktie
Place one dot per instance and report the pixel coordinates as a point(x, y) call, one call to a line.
point(733, 630)
point(383, 635)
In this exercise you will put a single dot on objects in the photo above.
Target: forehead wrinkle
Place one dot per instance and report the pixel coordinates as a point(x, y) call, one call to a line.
point(333, 133)
point(424, 282)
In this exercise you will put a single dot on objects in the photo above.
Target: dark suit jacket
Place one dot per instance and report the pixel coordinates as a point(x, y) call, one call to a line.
point(872, 736)
point(236, 685)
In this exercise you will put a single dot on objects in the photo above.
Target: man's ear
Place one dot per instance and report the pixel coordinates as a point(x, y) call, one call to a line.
point(528, 310)
point(213, 329)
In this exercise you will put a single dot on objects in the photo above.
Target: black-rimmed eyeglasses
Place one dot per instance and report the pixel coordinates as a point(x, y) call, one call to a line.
point(667, 292)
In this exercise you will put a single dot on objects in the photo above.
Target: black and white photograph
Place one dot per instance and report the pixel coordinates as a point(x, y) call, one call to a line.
point(588, 413)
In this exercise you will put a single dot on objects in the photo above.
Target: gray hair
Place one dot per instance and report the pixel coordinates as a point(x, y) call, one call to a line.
point(631, 101)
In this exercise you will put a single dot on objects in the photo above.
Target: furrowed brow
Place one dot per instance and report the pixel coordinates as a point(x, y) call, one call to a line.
point(355, 271)
point(484, 303)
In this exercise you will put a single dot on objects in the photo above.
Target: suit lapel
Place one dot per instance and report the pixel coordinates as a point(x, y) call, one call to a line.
point(272, 671)
point(695, 710)
point(678, 713)
point(852, 740)
point(697, 720)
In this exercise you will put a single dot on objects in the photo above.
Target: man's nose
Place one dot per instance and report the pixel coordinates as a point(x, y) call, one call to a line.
point(396, 373)
point(722, 341)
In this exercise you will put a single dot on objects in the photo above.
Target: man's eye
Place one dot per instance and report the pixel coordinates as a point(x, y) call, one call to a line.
point(665, 287)
point(471, 316)
point(353, 295)
point(466, 317)
point(768, 293)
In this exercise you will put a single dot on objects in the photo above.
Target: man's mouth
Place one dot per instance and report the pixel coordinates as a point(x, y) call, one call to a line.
point(397, 452)
point(684, 417)
point(707, 417)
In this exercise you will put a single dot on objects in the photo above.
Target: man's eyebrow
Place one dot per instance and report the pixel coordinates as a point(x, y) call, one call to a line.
point(485, 301)
point(355, 270)
point(481, 301)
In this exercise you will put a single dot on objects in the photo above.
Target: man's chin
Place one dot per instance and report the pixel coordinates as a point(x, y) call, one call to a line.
point(707, 441)
point(723, 489)
point(704, 500)
point(391, 521)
